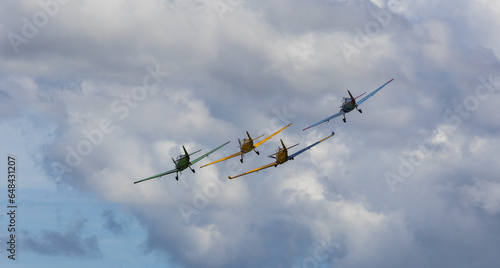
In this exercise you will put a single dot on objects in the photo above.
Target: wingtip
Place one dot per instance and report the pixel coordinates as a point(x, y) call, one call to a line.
point(229, 177)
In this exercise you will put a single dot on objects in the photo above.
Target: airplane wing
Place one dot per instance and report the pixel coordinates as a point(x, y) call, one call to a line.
point(225, 158)
point(194, 152)
point(255, 170)
point(270, 136)
point(373, 93)
point(158, 175)
point(325, 120)
point(205, 155)
point(290, 157)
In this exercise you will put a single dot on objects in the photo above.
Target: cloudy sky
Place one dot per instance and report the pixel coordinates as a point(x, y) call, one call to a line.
point(97, 94)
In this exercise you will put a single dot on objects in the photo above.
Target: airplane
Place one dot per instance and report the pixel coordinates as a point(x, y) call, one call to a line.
point(247, 146)
point(181, 163)
point(282, 156)
point(349, 104)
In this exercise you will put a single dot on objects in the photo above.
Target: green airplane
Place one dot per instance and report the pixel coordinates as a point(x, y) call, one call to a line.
point(181, 163)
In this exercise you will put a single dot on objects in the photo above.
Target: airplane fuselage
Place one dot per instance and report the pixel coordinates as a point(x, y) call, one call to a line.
point(348, 105)
point(246, 146)
point(182, 162)
point(282, 156)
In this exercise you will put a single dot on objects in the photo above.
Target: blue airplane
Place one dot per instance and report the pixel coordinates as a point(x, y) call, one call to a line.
point(349, 104)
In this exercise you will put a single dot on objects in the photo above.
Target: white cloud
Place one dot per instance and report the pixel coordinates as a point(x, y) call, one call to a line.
point(302, 185)
point(484, 194)
point(263, 65)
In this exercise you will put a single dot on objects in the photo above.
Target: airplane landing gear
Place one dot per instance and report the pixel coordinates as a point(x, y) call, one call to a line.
point(192, 169)
point(344, 119)
point(359, 110)
point(257, 152)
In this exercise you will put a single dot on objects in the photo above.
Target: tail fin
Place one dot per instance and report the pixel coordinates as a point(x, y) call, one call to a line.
point(352, 97)
point(249, 136)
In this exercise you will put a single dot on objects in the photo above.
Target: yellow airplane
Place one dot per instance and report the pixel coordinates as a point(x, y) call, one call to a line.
point(281, 156)
point(247, 146)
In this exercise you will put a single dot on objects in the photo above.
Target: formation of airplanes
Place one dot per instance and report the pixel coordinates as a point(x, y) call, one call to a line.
point(250, 144)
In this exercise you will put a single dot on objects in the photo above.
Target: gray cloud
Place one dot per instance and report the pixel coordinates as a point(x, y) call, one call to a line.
point(69, 243)
point(112, 224)
point(229, 75)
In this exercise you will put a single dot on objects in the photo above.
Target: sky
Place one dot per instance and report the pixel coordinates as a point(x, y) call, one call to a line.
point(95, 95)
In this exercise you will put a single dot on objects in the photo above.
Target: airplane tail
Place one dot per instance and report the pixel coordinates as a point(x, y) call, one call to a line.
point(279, 149)
point(259, 137)
point(189, 154)
point(352, 98)
point(360, 95)
point(292, 146)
